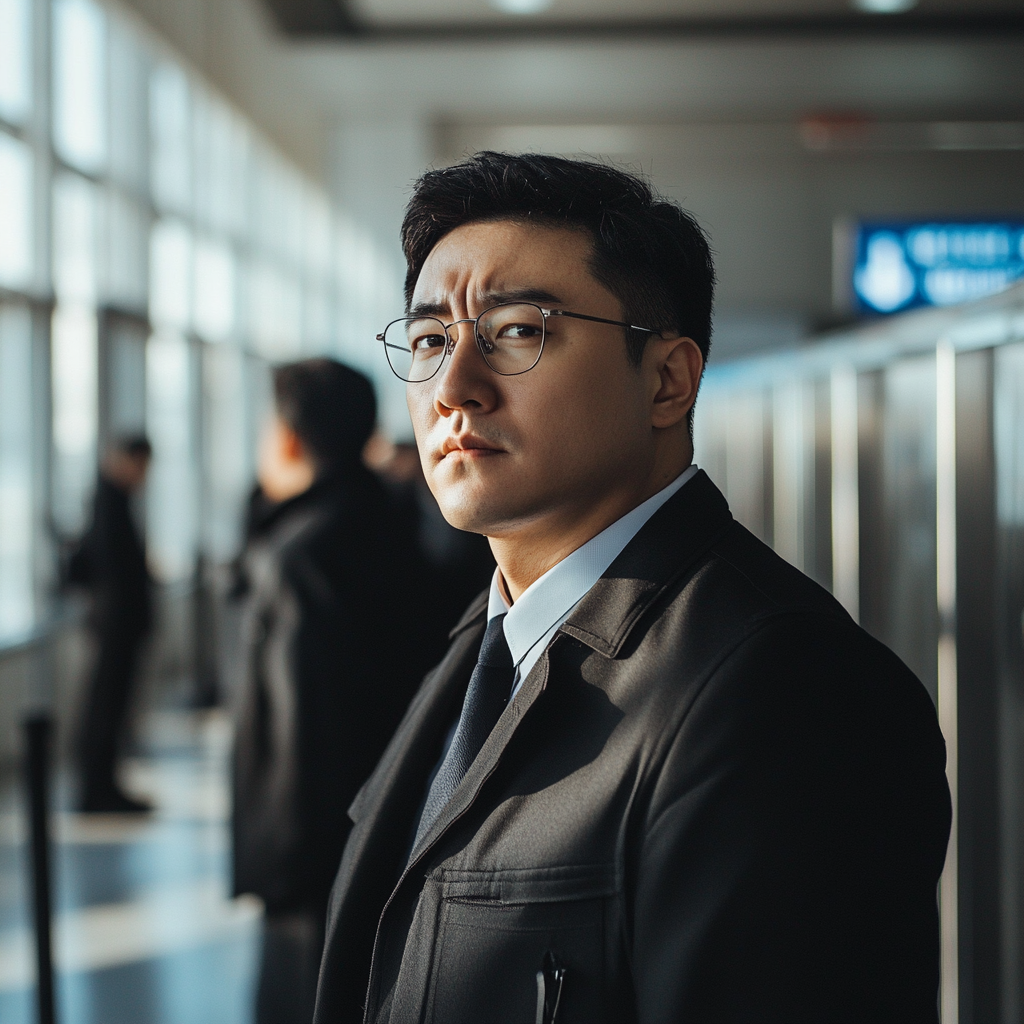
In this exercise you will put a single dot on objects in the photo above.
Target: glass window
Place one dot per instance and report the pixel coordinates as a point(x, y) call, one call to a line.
point(15, 60)
point(318, 225)
point(219, 181)
point(357, 289)
point(128, 70)
point(275, 311)
point(124, 385)
point(221, 146)
point(293, 212)
point(214, 290)
point(171, 150)
point(171, 492)
point(170, 275)
point(75, 247)
point(277, 193)
point(234, 206)
point(126, 256)
point(228, 454)
point(15, 212)
point(316, 327)
point(79, 84)
point(17, 611)
point(75, 413)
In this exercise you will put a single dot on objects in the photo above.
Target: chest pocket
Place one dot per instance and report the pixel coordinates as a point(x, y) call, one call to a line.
point(514, 945)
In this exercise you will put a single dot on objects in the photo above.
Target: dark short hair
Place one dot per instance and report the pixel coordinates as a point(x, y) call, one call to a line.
point(136, 446)
point(648, 252)
point(330, 406)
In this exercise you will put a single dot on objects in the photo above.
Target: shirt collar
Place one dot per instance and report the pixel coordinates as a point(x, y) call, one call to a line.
point(549, 599)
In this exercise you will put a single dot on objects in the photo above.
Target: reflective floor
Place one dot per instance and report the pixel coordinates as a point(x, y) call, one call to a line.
point(145, 933)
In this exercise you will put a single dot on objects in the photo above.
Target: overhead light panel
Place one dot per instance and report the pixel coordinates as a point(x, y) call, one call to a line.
point(884, 6)
point(522, 6)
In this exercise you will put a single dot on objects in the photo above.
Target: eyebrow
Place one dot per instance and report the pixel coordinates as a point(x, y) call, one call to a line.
point(443, 308)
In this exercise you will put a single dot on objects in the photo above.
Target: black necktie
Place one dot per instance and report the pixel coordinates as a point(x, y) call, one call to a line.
point(486, 697)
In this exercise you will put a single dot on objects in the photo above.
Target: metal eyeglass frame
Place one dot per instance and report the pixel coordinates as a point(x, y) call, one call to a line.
point(475, 321)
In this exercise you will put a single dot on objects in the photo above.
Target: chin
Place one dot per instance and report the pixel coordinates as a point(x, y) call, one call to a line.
point(471, 507)
point(464, 515)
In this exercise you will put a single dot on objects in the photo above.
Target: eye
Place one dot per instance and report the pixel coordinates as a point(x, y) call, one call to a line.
point(518, 332)
point(427, 342)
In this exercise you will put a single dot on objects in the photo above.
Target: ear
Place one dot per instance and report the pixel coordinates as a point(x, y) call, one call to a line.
point(292, 447)
point(678, 365)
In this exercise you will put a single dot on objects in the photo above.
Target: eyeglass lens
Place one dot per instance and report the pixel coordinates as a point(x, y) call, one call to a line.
point(510, 338)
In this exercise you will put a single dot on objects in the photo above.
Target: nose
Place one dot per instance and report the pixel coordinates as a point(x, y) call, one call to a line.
point(453, 331)
point(465, 381)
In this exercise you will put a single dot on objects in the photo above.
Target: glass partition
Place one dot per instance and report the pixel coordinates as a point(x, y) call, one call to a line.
point(15, 60)
point(16, 236)
point(1009, 584)
point(908, 513)
point(80, 84)
point(17, 512)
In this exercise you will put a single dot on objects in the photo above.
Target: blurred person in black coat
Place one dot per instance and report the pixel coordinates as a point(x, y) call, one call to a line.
point(110, 563)
point(459, 564)
point(329, 658)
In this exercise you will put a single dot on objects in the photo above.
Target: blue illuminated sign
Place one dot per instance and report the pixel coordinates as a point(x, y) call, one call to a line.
point(901, 265)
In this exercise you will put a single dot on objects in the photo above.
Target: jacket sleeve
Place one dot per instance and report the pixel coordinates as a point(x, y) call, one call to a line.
point(793, 839)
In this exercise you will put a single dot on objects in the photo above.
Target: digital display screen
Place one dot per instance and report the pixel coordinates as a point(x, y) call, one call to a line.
point(904, 265)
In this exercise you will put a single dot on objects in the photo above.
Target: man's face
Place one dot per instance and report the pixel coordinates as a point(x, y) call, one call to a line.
point(127, 470)
point(283, 468)
point(503, 454)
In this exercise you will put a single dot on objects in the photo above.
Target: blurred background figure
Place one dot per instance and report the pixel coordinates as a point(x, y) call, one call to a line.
point(330, 579)
point(459, 564)
point(110, 563)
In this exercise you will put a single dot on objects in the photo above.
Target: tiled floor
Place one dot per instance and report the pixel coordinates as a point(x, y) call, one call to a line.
point(145, 933)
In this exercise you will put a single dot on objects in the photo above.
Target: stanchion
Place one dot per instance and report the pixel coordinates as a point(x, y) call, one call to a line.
point(38, 732)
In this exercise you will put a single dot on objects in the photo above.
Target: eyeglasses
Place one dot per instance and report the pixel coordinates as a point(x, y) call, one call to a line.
point(510, 337)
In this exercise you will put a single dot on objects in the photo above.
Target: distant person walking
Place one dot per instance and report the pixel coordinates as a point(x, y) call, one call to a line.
point(329, 658)
point(111, 564)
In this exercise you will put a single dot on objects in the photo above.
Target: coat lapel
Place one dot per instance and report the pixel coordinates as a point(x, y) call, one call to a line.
point(486, 761)
point(667, 545)
point(671, 540)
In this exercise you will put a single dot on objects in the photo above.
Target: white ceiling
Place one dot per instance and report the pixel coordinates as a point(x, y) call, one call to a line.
point(632, 81)
point(389, 12)
point(299, 88)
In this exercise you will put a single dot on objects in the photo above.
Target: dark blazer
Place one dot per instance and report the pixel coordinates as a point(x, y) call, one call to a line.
point(329, 584)
point(715, 798)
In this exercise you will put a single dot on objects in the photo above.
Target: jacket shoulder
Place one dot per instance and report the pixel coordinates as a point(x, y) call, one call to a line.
point(750, 566)
point(742, 626)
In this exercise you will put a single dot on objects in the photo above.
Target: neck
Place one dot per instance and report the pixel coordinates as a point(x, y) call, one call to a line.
point(525, 554)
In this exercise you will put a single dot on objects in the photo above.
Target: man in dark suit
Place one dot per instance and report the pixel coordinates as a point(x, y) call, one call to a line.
point(110, 563)
point(329, 567)
point(660, 775)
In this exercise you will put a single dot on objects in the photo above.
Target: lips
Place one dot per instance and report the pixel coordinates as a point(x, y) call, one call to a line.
point(469, 445)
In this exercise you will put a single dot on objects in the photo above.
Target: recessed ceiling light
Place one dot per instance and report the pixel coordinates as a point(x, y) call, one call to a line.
point(522, 6)
point(884, 6)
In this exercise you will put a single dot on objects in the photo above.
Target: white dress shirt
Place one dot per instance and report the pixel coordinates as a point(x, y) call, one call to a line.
point(533, 620)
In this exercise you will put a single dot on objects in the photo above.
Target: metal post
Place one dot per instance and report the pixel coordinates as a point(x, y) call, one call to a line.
point(945, 560)
point(38, 733)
